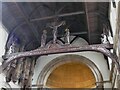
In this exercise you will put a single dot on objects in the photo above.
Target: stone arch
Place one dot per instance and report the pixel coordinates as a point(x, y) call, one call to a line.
point(52, 65)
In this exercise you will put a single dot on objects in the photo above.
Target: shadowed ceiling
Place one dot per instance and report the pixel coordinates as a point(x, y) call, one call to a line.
point(26, 20)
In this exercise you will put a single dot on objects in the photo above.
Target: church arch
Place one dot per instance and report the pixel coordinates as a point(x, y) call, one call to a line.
point(61, 60)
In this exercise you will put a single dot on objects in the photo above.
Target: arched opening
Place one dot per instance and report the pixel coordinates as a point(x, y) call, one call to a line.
point(70, 71)
point(71, 75)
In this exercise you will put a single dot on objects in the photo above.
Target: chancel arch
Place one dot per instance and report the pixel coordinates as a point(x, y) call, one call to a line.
point(70, 71)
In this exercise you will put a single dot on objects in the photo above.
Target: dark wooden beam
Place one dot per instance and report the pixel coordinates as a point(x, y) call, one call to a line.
point(55, 48)
point(59, 15)
point(87, 19)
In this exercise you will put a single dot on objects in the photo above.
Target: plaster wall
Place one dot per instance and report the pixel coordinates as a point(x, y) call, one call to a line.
point(3, 38)
point(115, 23)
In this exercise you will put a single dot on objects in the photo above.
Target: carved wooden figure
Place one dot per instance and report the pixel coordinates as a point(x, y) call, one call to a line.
point(12, 67)
point(43, 38)
point(31, 71)
point(18, 71)
point(67, 36)
point(105, 35)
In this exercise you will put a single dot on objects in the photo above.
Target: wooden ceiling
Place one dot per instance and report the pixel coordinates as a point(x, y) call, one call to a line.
point(23, 20)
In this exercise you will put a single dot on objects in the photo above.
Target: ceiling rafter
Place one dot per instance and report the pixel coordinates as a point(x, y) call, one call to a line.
point(87, 19)
point(27, 21)
point(37, 7)
point(59, 15)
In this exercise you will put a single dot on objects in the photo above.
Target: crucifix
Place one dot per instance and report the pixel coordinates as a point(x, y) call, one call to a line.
point(54, 25)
